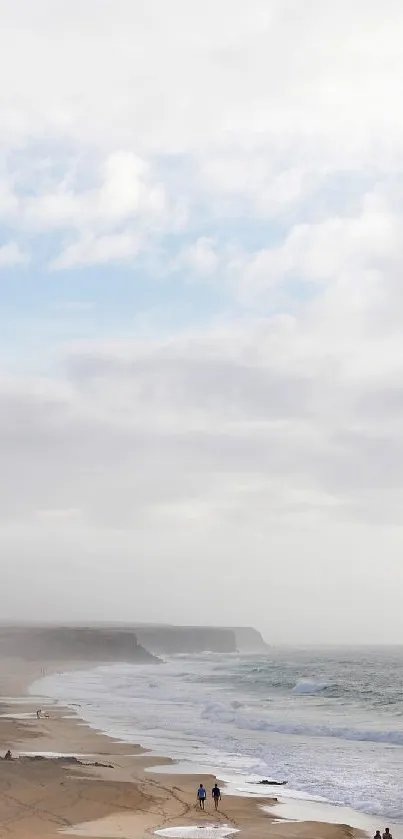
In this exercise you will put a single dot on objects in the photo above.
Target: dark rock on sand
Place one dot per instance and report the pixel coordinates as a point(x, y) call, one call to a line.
point(272, 783)
point(103, 765)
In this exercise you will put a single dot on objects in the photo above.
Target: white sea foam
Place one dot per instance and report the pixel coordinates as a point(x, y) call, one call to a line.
point(309, 686)
point(221, 714)
point(198, 831)
point(25, 716)
point(263, 791)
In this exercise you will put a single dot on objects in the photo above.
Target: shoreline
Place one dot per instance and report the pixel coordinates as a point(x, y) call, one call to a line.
point(121, 796)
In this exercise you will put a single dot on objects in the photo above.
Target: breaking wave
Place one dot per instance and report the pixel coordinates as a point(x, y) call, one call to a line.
point(224, 714)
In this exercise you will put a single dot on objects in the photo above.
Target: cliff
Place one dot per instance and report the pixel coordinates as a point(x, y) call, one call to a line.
point(62, 643)
point(169, 640)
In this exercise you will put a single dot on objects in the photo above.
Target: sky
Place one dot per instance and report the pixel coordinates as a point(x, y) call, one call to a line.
point(201, 312)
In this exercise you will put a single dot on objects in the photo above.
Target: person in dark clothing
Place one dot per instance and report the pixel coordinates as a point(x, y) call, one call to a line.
point(216, 793)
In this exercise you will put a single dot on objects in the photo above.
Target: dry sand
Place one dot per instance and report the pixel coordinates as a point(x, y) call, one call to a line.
point(49, 798)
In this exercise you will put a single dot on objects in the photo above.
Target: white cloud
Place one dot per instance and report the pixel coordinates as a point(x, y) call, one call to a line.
point(201, 257)
point(252, 118)
point(339, 250)
point(91, 250)
point(125, 190)
point(273, 73)
point(12, 255)
point(112, 218)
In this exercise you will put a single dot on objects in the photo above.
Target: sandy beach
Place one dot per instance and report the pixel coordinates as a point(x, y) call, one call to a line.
point(107, 793)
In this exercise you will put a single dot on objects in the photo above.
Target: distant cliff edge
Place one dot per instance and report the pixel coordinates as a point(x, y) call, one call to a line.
point(249, 640)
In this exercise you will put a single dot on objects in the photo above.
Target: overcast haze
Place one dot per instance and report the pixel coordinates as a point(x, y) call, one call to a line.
point(201, 390)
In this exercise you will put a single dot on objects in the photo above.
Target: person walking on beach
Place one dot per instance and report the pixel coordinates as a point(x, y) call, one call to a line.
point(377, 834)
point(216, 793)
point(201, 796)
point(387, 834)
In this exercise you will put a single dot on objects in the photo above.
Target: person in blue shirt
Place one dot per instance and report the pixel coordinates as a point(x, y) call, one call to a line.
point(201, 796)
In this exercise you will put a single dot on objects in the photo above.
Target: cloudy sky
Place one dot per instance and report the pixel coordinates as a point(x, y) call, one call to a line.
point(201, 312)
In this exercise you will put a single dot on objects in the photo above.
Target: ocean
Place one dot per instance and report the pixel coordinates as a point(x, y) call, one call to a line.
point(329, 722)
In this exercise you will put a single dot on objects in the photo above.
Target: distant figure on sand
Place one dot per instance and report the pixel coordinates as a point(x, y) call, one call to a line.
point(377, 834)
point(216, 795)
point(38, 714)
point(201, 796)
point(387, 834)
point(8, 755)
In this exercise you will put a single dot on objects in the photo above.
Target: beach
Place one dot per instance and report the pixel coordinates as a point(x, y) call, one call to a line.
point(48, 796)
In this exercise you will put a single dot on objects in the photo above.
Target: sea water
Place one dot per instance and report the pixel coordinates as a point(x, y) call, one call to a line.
point(329, 722)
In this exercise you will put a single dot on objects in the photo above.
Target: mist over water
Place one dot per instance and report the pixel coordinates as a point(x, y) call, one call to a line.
point(330, 722)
